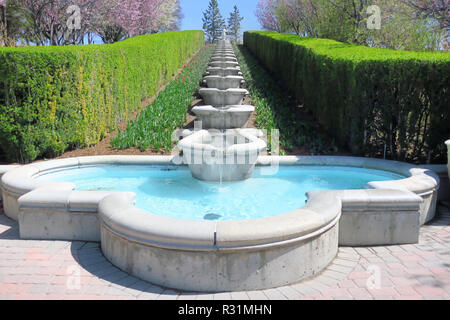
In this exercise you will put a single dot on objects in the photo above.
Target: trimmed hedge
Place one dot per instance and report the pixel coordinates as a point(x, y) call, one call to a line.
point(58, 98)
point(154, 126)
point(378, 102)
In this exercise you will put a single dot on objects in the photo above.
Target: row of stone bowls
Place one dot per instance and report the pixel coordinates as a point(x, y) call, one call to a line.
point(223, 96)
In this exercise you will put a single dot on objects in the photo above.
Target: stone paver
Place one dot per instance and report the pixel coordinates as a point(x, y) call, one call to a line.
point(63, 270)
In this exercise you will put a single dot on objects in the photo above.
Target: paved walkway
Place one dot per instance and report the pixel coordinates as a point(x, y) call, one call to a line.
point(59, 270)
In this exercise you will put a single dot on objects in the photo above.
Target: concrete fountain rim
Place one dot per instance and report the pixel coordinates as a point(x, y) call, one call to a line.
point(19, 179)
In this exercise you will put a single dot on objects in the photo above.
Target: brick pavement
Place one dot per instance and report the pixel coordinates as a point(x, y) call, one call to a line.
point(62, 270)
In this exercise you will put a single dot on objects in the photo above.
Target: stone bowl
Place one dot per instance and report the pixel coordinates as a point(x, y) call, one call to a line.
point(223, 72)
point(217, 156)
point(225, 51)
point(221, 98)
point(223, 64)
point(224, 42)
point(224, 47)
point(224, 83)
point(223, 59)
point(229, 117)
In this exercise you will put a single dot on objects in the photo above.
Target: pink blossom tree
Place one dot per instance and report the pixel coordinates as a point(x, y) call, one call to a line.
point(117, 19)
point(137, 17)
point(301, 16)
point(266, 12)
point(52, 21)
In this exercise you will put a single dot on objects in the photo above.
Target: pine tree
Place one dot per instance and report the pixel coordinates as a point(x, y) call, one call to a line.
point(234, 24)
point(213, 23)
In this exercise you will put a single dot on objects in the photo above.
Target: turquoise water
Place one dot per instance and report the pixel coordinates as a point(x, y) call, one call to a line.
point(172, 192)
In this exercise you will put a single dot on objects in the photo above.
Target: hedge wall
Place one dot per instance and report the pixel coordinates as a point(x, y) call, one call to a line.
point(378, 102)
point(56, 98)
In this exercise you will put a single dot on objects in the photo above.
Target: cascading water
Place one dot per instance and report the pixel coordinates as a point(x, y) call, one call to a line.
point(227, 116)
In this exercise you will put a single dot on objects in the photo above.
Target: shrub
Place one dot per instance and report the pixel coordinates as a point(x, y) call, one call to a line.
point(57, 98)
point(378, 102)
point(274, 111)
point(154, 127)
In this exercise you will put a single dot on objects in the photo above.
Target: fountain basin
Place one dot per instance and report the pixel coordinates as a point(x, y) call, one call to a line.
point(222, 64)
point(228, 117)
point(218, 156)
point(229, 255)
point(24, 179)
point(224, 83)
point(220, 98)
point(211, 256)
point(220, 256)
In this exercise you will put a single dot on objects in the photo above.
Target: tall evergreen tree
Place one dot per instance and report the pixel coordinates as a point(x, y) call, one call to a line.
point(234, 24)
point(213, 23)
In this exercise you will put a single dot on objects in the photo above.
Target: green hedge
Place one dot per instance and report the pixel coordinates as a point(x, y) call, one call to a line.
point(56, 98)
point(155, 125)
point(378, 102)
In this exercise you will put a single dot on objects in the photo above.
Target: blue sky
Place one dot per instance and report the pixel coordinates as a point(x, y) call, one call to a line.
point(193, 13)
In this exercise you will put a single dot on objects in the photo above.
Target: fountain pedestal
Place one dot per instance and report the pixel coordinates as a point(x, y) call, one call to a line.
point(224, 58)
point(223, 72)
point(221, 156)
point(221, 98)
point(224, 83)
point(223, 64)
point(229, 117)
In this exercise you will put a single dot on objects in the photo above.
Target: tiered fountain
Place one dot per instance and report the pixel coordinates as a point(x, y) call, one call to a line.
point(226, 151)
point(149, 213)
